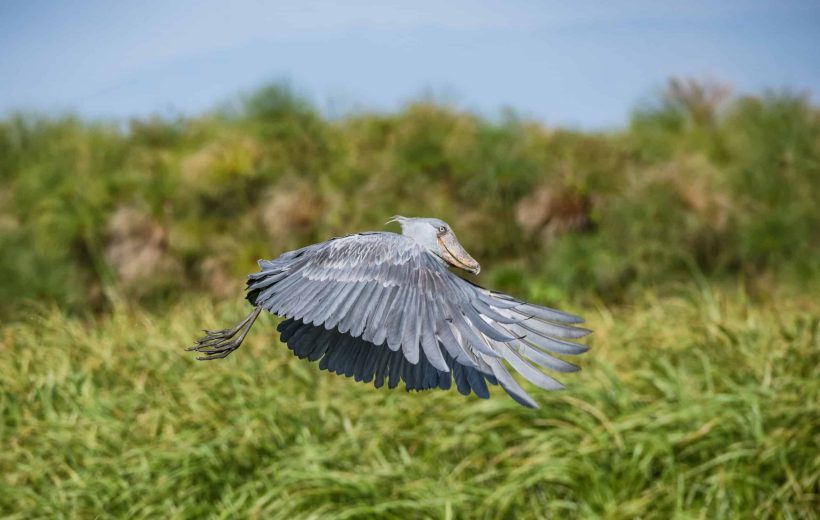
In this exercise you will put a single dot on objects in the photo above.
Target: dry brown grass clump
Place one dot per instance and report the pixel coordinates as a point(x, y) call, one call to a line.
point(550, 211)
point(137, 250)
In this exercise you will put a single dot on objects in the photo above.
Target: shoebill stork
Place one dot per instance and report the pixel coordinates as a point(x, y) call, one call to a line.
point(384, 308)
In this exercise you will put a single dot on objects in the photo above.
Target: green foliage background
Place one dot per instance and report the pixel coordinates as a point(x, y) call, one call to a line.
point(690, 239)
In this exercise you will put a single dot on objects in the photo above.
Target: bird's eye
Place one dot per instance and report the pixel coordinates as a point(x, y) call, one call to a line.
point(442, 229)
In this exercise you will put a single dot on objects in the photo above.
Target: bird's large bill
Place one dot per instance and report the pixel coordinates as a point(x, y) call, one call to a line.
point(456, 255)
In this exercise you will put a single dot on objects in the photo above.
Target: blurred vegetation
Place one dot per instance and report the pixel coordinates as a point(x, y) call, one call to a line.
point(690, 239)
point(699, 183)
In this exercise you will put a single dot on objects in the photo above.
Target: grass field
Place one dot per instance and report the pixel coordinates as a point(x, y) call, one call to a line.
point(702, 404)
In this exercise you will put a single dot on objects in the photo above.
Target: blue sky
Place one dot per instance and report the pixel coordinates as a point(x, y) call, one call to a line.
point(582, 64)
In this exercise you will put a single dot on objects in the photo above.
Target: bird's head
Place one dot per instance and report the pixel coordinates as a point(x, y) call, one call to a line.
point(437, 237)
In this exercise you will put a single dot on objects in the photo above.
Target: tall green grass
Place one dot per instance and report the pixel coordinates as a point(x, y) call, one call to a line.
point(700, 405)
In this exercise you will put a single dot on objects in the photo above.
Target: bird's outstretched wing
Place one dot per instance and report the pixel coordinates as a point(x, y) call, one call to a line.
point(377, 306)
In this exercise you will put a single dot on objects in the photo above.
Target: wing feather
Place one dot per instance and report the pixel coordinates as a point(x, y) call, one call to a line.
point(381, 367)
point(530, 373)
point(341, 304)
point(376, 328)
point(477, 383)
point(485, 310)
point(394, 319)
point(429, 343)
point(555, 345)
point(444, 333)
point(325, 307)
point(542, 359)
point(510, 385)
point(411, 321)
point(356, 320)
point(546, 313)
point(543, 328)
point(473, 339)
point(484, 327)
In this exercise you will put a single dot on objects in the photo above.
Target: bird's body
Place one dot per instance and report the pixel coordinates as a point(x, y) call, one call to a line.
point(385, 307)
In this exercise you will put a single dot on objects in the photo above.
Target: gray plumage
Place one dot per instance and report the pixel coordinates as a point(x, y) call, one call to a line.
point(385, 307)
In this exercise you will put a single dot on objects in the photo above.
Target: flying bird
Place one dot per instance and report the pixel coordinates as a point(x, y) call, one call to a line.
point(385, 307)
